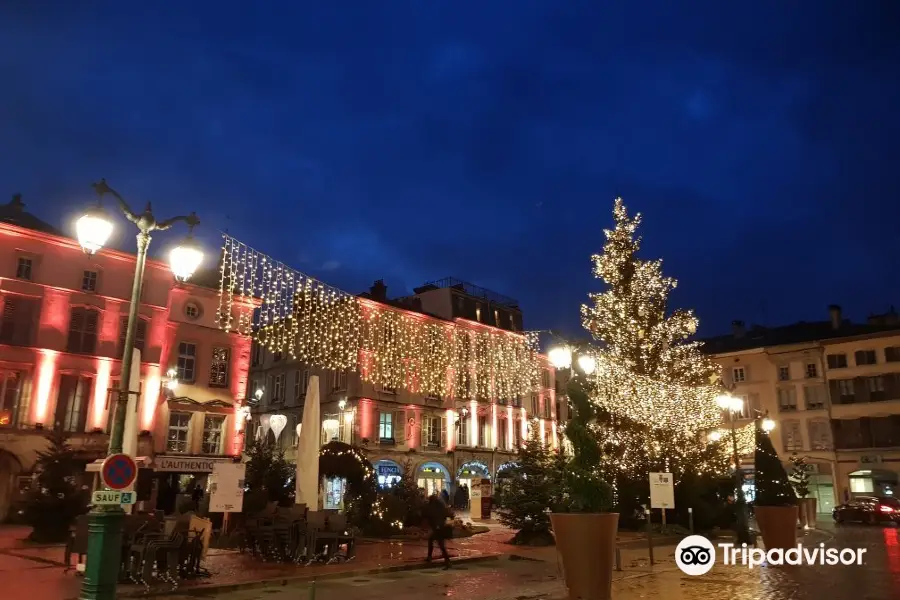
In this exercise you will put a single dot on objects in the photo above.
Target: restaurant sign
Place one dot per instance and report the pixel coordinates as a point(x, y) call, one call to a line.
point(186, 464)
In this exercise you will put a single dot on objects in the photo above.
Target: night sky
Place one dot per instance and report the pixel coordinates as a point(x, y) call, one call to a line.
point(412, 140)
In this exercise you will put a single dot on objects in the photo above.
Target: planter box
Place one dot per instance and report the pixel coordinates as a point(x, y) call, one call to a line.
point(586, 543)
point(807, 511)
point(778, 525)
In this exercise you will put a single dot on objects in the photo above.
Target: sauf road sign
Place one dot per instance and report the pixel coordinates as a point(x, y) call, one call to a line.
point(110, 497)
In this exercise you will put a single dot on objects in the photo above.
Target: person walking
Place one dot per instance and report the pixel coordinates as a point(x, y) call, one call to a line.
point(436, 513)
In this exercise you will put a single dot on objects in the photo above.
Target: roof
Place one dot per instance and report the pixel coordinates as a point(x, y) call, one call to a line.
point(14, 213)
point(797, 333)
point(469, 289)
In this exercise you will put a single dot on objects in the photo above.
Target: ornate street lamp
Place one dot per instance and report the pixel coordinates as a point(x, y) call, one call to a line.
point(93, 230)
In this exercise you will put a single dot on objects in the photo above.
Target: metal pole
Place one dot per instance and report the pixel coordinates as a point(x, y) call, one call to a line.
point(742, 534)
point(691, 519)
point(650, 535)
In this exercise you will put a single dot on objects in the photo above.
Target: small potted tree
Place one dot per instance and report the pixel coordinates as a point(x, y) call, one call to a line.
point(800, 481)
point(775, 502)
point(584, 529)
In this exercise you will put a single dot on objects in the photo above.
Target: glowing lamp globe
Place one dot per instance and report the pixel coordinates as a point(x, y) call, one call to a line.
point(93, 229)
point(185, 258)
point(715, 436)
point(587, 364)
point(560, 357)
point(768, 424)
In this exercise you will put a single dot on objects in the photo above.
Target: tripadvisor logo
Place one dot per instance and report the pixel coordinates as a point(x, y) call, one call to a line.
point(695, 555)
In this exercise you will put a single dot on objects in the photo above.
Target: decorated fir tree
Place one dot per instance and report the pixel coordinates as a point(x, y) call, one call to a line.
point(772, 485)
point(56, 497)
point(799, 476)
point(631, 316)
point(409, 494)
point(528, 490)
point(268, 476)
point(652, 386)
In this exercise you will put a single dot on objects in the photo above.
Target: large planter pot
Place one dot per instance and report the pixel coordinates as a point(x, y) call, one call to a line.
point(808, 510)
point(586, 543)
point(778, 525)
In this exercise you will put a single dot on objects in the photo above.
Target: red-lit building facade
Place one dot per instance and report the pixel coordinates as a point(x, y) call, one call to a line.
point(446, 441)
point(62, 330)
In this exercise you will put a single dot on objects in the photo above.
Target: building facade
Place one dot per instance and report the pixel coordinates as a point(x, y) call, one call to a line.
point(833, 389)
point(63, 315)
point(446, 441)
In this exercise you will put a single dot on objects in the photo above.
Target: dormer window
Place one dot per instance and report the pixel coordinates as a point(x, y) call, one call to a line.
point(24, 268)
point(192, 310)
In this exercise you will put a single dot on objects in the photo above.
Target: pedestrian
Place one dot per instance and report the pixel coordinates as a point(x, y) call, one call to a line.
point(436, 513)
point(465, 496)
point(445, 496)
point(459, 499)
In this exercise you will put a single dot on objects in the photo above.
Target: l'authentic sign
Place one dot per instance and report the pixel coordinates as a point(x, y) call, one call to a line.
point(186, 464)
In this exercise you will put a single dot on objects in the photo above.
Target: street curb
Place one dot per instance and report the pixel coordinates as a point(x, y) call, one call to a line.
point(300, 578)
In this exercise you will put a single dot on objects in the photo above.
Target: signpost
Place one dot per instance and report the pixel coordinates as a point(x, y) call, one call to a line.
point(104, 497)
point(118, 472)
point(662, 492)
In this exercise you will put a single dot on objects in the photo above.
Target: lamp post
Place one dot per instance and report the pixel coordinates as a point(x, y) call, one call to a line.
point(93, 230)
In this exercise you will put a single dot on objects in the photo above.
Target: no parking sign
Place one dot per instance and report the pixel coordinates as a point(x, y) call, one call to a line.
point(118, 472)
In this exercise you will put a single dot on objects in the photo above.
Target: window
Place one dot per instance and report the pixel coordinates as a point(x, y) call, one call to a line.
point(278, 356)
point(517, 433)
point(545, 378)
point(179, 428)
point(547, 408)
point(13, 399)
point(83, 330)
point(784, 373)
point(192, 310)
point(386, 426)
point(484, 432)
point(892, 354)
point(845, 391)
point(865, 357)
point(140, 334)
point(512, 323)
point(24, 268)
point(478, 313)
point(19, 316)
point(71, 403)
point(301, 382)
point(257, 354)
point(89, 281)
point(814, 396)
point(496, 317)
point(738, 374)
point(339, 380)
point(812, 371)
point(386, 389)
point(212, 434)
point(787, 399)
point(432, 432)
point(535, 405)
point(463, 429)
point(875, 385)
point(187, 361)
point(502, 436)
point(885, 431)
point(848, 433)
point(819, 434)
point(792, 436)
point(837, 361)
point(278, 388)
point(218, 368)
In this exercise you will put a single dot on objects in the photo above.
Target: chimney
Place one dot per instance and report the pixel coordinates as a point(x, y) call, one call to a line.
point(835, 311)
point(16, 203)
point(378, 291)
point(737, 328)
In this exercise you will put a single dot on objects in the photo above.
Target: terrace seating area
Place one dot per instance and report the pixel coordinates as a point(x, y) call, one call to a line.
point(296, 535)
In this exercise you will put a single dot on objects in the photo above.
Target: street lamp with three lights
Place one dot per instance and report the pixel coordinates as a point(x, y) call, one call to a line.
point(93, 230)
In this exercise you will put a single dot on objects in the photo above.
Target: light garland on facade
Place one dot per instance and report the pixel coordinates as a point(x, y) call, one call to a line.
point(326, 327)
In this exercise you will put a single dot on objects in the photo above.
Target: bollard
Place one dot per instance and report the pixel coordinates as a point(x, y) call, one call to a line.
point(618, 559)
point(312, 590)
point(650, 536)
point(691, 520)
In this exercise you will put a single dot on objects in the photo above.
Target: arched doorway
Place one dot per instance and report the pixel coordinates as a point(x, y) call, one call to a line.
point(874, 482)
point(388, 473)
point(433, 477)
point(472, 470)
point(9, 472)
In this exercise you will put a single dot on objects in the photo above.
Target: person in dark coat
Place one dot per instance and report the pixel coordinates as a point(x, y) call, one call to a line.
point(465, 496)
point(459, 498)
point(436, 513)
point(445, 496)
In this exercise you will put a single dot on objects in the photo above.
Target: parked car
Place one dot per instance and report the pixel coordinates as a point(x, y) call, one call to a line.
point(868, 509)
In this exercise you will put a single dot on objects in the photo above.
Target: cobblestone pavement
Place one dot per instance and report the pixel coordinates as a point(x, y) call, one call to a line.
point(877, 579)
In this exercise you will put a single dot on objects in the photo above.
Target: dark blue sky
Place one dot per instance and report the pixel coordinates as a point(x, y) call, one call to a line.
point(411, 140)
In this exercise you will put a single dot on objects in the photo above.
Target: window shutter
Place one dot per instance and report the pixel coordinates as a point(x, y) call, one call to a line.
point(442, 422)
point(400, 425)
point(753, 401)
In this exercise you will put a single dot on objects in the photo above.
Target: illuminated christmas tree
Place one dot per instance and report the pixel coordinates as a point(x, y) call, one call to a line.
point(773, 488)
point(652, 386)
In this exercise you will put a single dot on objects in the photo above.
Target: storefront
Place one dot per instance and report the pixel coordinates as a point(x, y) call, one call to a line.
point(433, 478)
point(873, 482)
point(388, 473)
point(175, 480)
point(333, 498)
point(472, 470)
